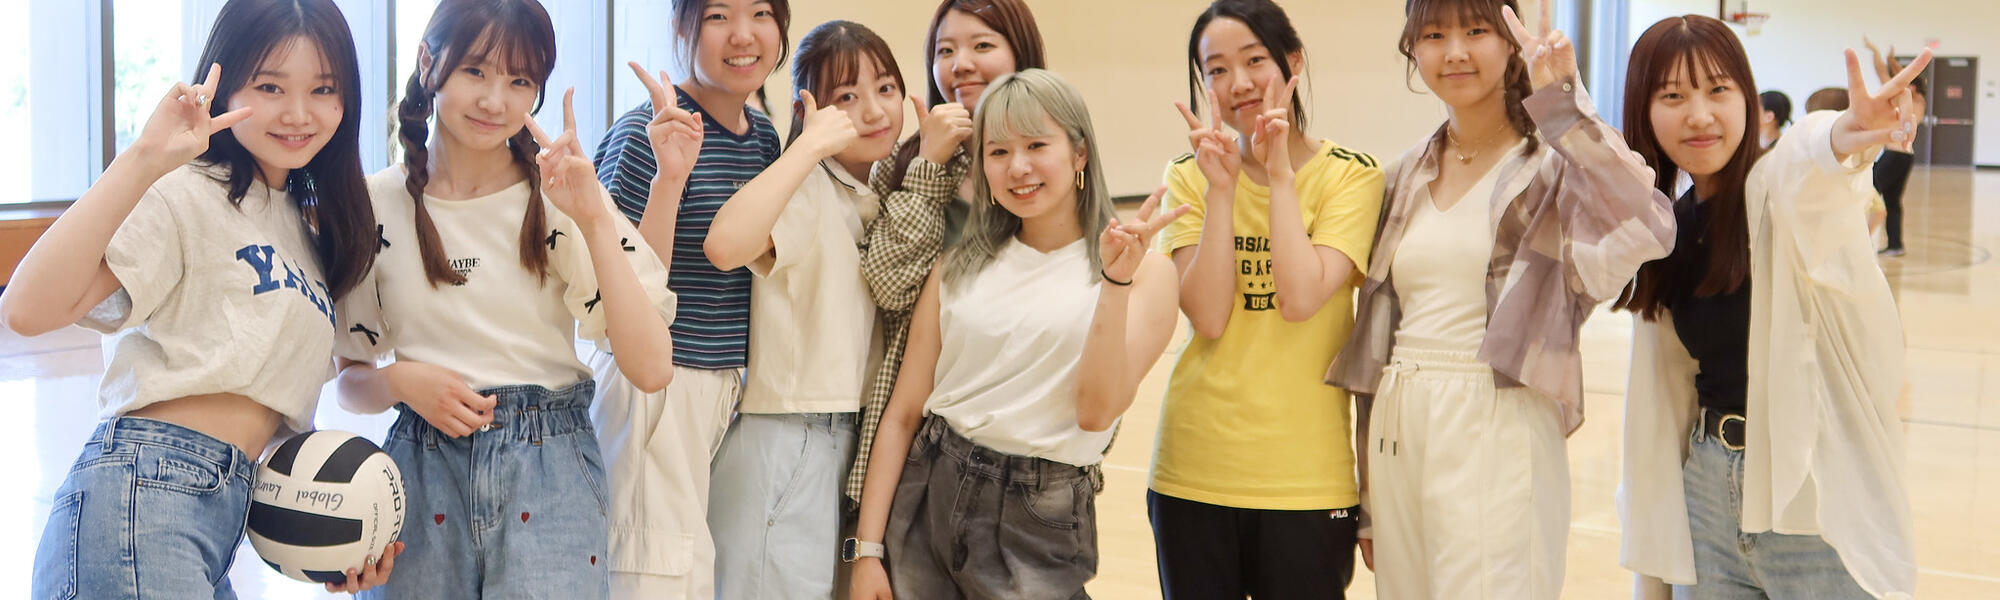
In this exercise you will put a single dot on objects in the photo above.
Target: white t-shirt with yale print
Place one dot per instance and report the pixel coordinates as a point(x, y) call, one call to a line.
point(216, 298)
point(811, 319)
point(504, 326)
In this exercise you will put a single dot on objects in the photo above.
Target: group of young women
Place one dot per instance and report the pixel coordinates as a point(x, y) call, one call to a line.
point(965, 309)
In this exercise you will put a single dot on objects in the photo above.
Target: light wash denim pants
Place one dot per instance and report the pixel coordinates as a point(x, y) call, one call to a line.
point(514, 511)
point(774, 506)
point(150, 510)
point(1730, 564)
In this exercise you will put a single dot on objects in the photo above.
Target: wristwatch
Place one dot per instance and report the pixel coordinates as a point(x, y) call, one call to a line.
point(852, 549)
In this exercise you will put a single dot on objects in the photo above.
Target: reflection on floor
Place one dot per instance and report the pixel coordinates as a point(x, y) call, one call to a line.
point(1948, 286)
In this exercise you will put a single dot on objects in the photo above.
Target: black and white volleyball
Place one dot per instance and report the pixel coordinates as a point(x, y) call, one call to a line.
point(325, 501)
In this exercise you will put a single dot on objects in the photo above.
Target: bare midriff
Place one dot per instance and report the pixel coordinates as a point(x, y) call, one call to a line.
point(232, 418)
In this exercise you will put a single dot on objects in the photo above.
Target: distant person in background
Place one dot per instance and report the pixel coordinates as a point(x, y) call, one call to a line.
point(1892, 171)
point(1777, 115)
point(1832, 98)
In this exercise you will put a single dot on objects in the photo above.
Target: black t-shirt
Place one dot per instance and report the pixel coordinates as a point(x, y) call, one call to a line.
point(1716, 329)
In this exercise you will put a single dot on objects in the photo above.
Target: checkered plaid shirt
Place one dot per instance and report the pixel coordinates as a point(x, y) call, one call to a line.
point(903, 242)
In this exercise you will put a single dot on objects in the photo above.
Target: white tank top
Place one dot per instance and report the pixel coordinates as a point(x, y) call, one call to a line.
point(1440, 268)
point(1012, 335)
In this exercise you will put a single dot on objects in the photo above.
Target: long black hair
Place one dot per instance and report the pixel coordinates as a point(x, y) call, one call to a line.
point(330, 190)
point(516, 33)
point(1696, 45)
point(1273, 30)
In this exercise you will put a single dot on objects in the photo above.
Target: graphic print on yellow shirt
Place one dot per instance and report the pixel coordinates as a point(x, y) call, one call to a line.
point(1247, 422)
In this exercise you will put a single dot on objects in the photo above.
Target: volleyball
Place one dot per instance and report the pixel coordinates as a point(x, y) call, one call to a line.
point(324, 502)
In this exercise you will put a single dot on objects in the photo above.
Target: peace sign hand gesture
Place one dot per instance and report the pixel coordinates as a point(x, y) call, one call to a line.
point(1549, 54)
point(569, 180)
point(1270, 139)
point(1124, 246)
point(1883, 117)
point(180, 126)
point(675, 134)
point(1214, 148)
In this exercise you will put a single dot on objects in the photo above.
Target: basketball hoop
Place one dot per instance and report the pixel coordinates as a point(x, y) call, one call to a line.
point(1752, 22)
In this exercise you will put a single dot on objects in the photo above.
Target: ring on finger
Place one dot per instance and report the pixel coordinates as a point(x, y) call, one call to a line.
point(201, 99)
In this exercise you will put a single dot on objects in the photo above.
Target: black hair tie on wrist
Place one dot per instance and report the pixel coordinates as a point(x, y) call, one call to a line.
point(1107, 277)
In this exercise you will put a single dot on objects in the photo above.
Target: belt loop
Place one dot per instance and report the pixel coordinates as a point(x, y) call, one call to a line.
point(110, 435)
point(531, 418)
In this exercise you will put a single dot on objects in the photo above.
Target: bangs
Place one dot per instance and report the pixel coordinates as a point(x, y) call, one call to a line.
point(509, 47)
point(844, 69)
point(1446, 13)
point(1697, 53)
point(1011, 111)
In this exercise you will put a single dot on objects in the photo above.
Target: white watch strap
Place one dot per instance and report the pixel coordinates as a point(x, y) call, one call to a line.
point(869, 550)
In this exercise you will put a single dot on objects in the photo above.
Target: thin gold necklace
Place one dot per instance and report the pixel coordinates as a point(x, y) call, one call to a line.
point(1459, 148)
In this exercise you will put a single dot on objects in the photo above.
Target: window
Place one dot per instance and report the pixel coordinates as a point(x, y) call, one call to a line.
point(14, 101)
point(76, 110)
point(146, 63)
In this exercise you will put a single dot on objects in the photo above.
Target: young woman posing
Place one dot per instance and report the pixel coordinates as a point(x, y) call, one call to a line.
point(494, 441)
point(1763, 454)
point(1253, 454)
point(970, 43)
point(1502, 231)
point(1029, 341)
point(775, 506)
point(211, 254)
point(659, 445)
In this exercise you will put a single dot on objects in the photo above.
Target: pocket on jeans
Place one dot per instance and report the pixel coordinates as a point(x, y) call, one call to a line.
point(1052, 506)
point(55, 560)
point(173, 470)
point(590, 461)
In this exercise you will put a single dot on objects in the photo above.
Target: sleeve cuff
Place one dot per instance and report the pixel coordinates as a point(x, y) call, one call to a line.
point(1558, 106)
point(1822, 148)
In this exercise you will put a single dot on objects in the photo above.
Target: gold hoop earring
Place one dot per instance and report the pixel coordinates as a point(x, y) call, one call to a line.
point(1079, 180)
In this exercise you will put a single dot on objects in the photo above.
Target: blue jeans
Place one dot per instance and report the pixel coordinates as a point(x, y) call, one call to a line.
point(774, 506)
point(151, 509)
point(1730, 564)
point(516, 511)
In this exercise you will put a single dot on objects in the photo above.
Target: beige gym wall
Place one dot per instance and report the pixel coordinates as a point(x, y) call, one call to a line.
point(1129, 58)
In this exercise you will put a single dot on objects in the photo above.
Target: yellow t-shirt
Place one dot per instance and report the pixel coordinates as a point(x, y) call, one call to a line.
point(1248, 421)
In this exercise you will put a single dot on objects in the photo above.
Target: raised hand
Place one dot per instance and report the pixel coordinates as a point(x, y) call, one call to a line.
point(1124, 245)
point(1270, 138)
point(828, 129)
point(180, 126)
point(945, 127)
point(1214, 147)
point(675, 134)
point(1885, 116)
point(569, 181)
point(1549, 54)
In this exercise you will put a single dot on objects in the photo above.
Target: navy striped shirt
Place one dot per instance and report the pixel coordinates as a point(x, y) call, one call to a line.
point(712, 330)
